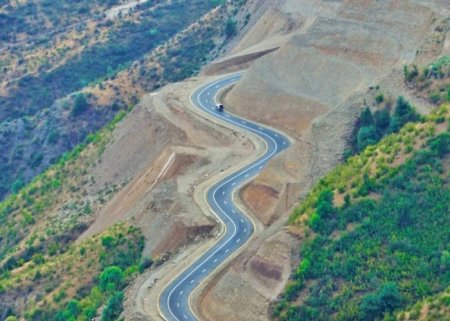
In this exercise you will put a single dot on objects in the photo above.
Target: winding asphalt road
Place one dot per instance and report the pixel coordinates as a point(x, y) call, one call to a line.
point(174, 300)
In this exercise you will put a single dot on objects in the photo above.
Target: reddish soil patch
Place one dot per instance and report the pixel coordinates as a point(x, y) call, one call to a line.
point(266, 269)
point(260, 199)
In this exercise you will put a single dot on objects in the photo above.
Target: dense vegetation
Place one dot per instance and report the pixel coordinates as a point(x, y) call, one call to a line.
point(99, 269)
point(375, 230)
point(38, 261)
point(372, 127)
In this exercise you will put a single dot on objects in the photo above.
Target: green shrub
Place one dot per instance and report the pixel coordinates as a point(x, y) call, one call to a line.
point(230, 28)
point(111, 279)
point(113, 307)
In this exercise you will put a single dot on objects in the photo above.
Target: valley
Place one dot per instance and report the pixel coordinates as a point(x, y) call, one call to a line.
point(108, 163)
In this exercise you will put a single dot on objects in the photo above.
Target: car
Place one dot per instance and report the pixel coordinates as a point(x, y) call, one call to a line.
point(219, 107)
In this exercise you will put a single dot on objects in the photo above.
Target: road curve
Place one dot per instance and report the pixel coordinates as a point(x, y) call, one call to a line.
point(174, 300)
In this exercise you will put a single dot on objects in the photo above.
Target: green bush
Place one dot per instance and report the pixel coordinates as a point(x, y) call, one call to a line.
point(113, 307)
point(80, 105)
point(111, 279)
point(230, 28)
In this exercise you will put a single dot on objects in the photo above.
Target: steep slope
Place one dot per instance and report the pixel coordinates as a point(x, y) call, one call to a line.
point(112, 61)
point(311, 66)
point(374, 236)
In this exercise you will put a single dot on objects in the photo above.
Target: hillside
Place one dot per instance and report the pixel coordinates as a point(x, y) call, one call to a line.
point(76, 162)
point(79, 73)
point(373, 230)
point(311, 68)
point(105, 162)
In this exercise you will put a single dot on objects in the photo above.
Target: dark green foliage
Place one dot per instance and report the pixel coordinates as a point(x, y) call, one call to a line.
point(366, 136)
point(230, 28)
point(113, 307)
point(17, 185)
point(80, 105)
point(385, 300)
point(382, 120)
point(372, 127)
point(440, 144)
point(145, 264)
point(403, 114)
point(366, 118)
point(111, 279)
point(397, 255)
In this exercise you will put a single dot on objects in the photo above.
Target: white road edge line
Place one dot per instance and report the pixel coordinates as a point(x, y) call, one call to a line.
point(257, 162)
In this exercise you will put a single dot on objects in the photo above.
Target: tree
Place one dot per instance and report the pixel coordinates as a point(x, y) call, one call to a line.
point(113, 307)
point(230, 28)
point(382, 119)
point(325, 208)
point(403, 114)
point(387, 299)
point(80, 105)
point(366, 136)
point(441, 144)
point(111, 279)
point(366, 118)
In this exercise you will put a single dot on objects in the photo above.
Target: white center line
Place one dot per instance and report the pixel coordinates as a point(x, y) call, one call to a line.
point(234, 183)
point(223, 193)
point(204, 270)
point(238, 240)
point(227, 250)
point(234, 212)
point(181, 292)
point(225, 202)
point(245, 230)
point(215, 260)
point(178, 304)
point(192, 281)
point(242, 221)
point(261, 167)
point(184, 316)
point(247, 175)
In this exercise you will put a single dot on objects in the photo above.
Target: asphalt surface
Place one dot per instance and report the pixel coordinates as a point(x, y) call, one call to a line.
point(174, 300)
